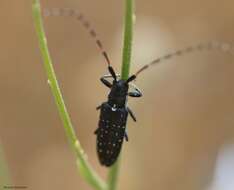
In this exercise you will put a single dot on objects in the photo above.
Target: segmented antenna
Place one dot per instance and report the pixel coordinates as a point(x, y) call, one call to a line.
point(68, 12)
point(224, 47)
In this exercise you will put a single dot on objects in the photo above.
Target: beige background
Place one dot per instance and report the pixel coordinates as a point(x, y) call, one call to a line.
point(185, 116)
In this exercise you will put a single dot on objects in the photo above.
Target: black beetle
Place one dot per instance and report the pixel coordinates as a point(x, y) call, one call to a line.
point(113, 118)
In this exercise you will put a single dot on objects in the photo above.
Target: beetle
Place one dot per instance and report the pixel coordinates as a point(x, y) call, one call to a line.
point(113, 118)
point(111, 130)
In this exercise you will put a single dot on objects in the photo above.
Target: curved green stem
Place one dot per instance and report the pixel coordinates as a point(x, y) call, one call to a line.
point(84, 167)
point(126, 61)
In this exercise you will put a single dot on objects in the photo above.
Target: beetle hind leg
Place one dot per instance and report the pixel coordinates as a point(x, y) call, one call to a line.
point(96, 131)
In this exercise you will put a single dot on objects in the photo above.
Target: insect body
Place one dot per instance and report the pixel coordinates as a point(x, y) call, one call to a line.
point(111, 129)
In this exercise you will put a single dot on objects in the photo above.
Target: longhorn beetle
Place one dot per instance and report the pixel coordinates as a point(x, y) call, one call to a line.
point(114, 112)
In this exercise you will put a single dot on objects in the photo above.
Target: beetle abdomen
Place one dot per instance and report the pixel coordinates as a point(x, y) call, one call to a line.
point(110, 133)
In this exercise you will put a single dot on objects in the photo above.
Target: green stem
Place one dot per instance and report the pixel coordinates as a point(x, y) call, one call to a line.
point(84, 167)
point(113, 175)
point(4, 172)
point(128, 36)
point(126, 61)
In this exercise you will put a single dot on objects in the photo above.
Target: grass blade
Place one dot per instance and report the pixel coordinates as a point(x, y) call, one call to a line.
point(84, 167)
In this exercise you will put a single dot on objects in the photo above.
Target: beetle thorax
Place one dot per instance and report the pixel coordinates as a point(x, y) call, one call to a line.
point(118, 93)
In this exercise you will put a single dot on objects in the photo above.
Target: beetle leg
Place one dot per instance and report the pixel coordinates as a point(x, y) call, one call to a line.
point(131, 114)
point(105, 82)
point(126, 136)
point(137, 93)
point(99, 107)
point(96, 131)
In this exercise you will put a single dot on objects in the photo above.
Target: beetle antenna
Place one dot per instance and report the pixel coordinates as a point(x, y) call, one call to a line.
point(212, 45)
point(68, 12)
point(131, 78)
point(112, 72)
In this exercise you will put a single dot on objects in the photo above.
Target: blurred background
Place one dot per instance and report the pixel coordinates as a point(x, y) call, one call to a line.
point(184, 137)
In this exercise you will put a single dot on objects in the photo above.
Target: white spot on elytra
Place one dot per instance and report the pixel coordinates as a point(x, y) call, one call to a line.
point(114, 108)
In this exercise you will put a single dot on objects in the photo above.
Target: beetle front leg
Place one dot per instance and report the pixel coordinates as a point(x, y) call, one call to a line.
point(131, 114)
point(137, 93)
point(105, 82)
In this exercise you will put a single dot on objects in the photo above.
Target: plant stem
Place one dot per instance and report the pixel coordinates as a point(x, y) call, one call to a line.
point(4, 172)
point(84, 167)
point(128, 36)
point(126, 61)
point(113, 175)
